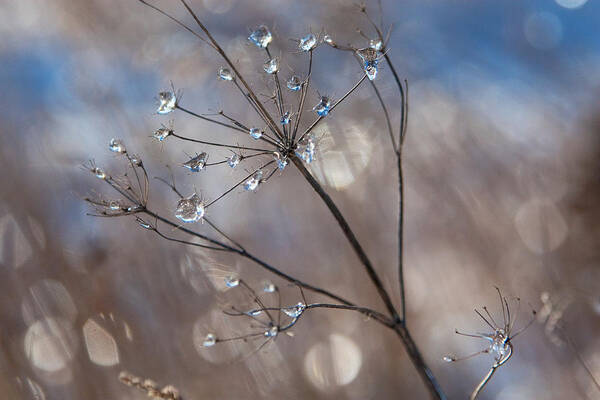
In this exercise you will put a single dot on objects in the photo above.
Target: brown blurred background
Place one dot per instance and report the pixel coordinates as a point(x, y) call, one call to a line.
point(502, 189)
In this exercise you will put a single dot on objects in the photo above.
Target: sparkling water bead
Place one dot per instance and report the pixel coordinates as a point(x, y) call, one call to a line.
point(116, 146)
point(323, 107)
point(272, 331)
point(271, 66)
point(256, 133)
point(448, 358)
point(254, 313)
point(294, 83)
point(200, 207)
point(99, 172)
point(261, 36)
point(197, 163)
point(186, 211)
point(234, 160)
point(232, 281)
point(295, 311)
point(166, 102)
point(225, 74)
point(376, 44)
point(269, 287)
point(285, 118)
point(282, 161)
point(371, 69)
point(210, 340)
point(114, 205)
point(308, 42)
point(161, 134)
point(306, 149)
point(252, 183)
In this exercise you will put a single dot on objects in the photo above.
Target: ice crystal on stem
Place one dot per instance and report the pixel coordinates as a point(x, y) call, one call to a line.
point(190, 209)
point(294, 83)
point(252, 183)
point(197, 163)
point(308, 42)
point(232, 281)
point(261, 36)
point(225, 74)
point(323, 106)
point(255, 133)
point(116, 146)
point(306, 149)
point(295, 311)
point(271, 66)
point(162, 133)
point(233, 160)
point(167, 101)
point(210, 340)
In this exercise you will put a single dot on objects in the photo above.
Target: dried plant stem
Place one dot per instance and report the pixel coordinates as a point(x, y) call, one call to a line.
point(484, 381)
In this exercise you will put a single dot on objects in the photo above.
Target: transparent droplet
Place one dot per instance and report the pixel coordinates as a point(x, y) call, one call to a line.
point(285, 118)
point(294, 83)
point(329, 40)
point(234, 160)
point(376, 44)
point(144, 224)
point(99, 172)
point(261, 36)
point(167, 101)
point(370, 61)
point(252, 183)
point(272, 332)
point(306, 149)
point(282, 161)
point(225, 74)
point(232, 281)
point(190, 209)
point(116, 146)
point(269, 287)
point(308, 42)
point(295, 311)
point(114, 205)
point(371, 69)
point(254, 313)
point(256, 133)
point(322, 108)
point(161, 133)
point(209, 340)
point(448, 358)
point(197, 163)
point(271, 66)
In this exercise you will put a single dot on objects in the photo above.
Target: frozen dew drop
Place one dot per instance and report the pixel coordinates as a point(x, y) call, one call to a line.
point(271, 66)
point(232, 281)
point(261, 36)
point(371, 69)
point(308, 42)
point(167, 101)
point(272, 331)
point(114, 205)
point(323, 107)
point(294, 83)
point(269, 287)
point(252, 183)
point(254, 313)
point(295, 311)
point(190, 209)
point(234, 160)
point(144, 224)
point(285, 118)
point(376, 44)
point(116, 146)
point(99, 172)
point(200, 207)
point(225, 74)
point(210, 340)
point(448, 359)
point(329, 40)
point(282, 161)
point(256, 133)
point(196, 164)
point(306, 149)
point(161, 134)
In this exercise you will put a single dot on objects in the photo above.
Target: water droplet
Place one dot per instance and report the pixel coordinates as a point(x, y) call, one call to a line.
point(294, 83)
point(252, 183)
point(306, 149)
point(232, 281)
point(261, 36)
point(256, 133)
point(167, 101)
point(323, 107)
point(234, 160)
point(308, 42)
point(225, 74)
point(197, 163)
point(269, 287)
point(271, 66)
point(272, 331)
point(209, 340)
point(144, 224)
point(99, 172)
point(285, 118)
point(135, 160)
point(114, 205)
point(371, 69)
point(254, 313)
point(190, 209)
point(376, 44)
point(282, 161)
point(448, 358)
point(116, 146)
point(161, 133)
point(370, 61)
point(295, 311)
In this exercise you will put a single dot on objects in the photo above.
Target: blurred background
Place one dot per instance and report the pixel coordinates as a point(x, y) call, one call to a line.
point(502, 188)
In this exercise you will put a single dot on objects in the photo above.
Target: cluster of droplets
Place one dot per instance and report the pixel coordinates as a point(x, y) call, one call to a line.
point(153, 391)
point(370, 61)
point(190, 209)
point(197, 163)
point(306, 149)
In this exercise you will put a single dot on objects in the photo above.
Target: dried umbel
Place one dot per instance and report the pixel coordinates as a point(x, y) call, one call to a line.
point(499, 339)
